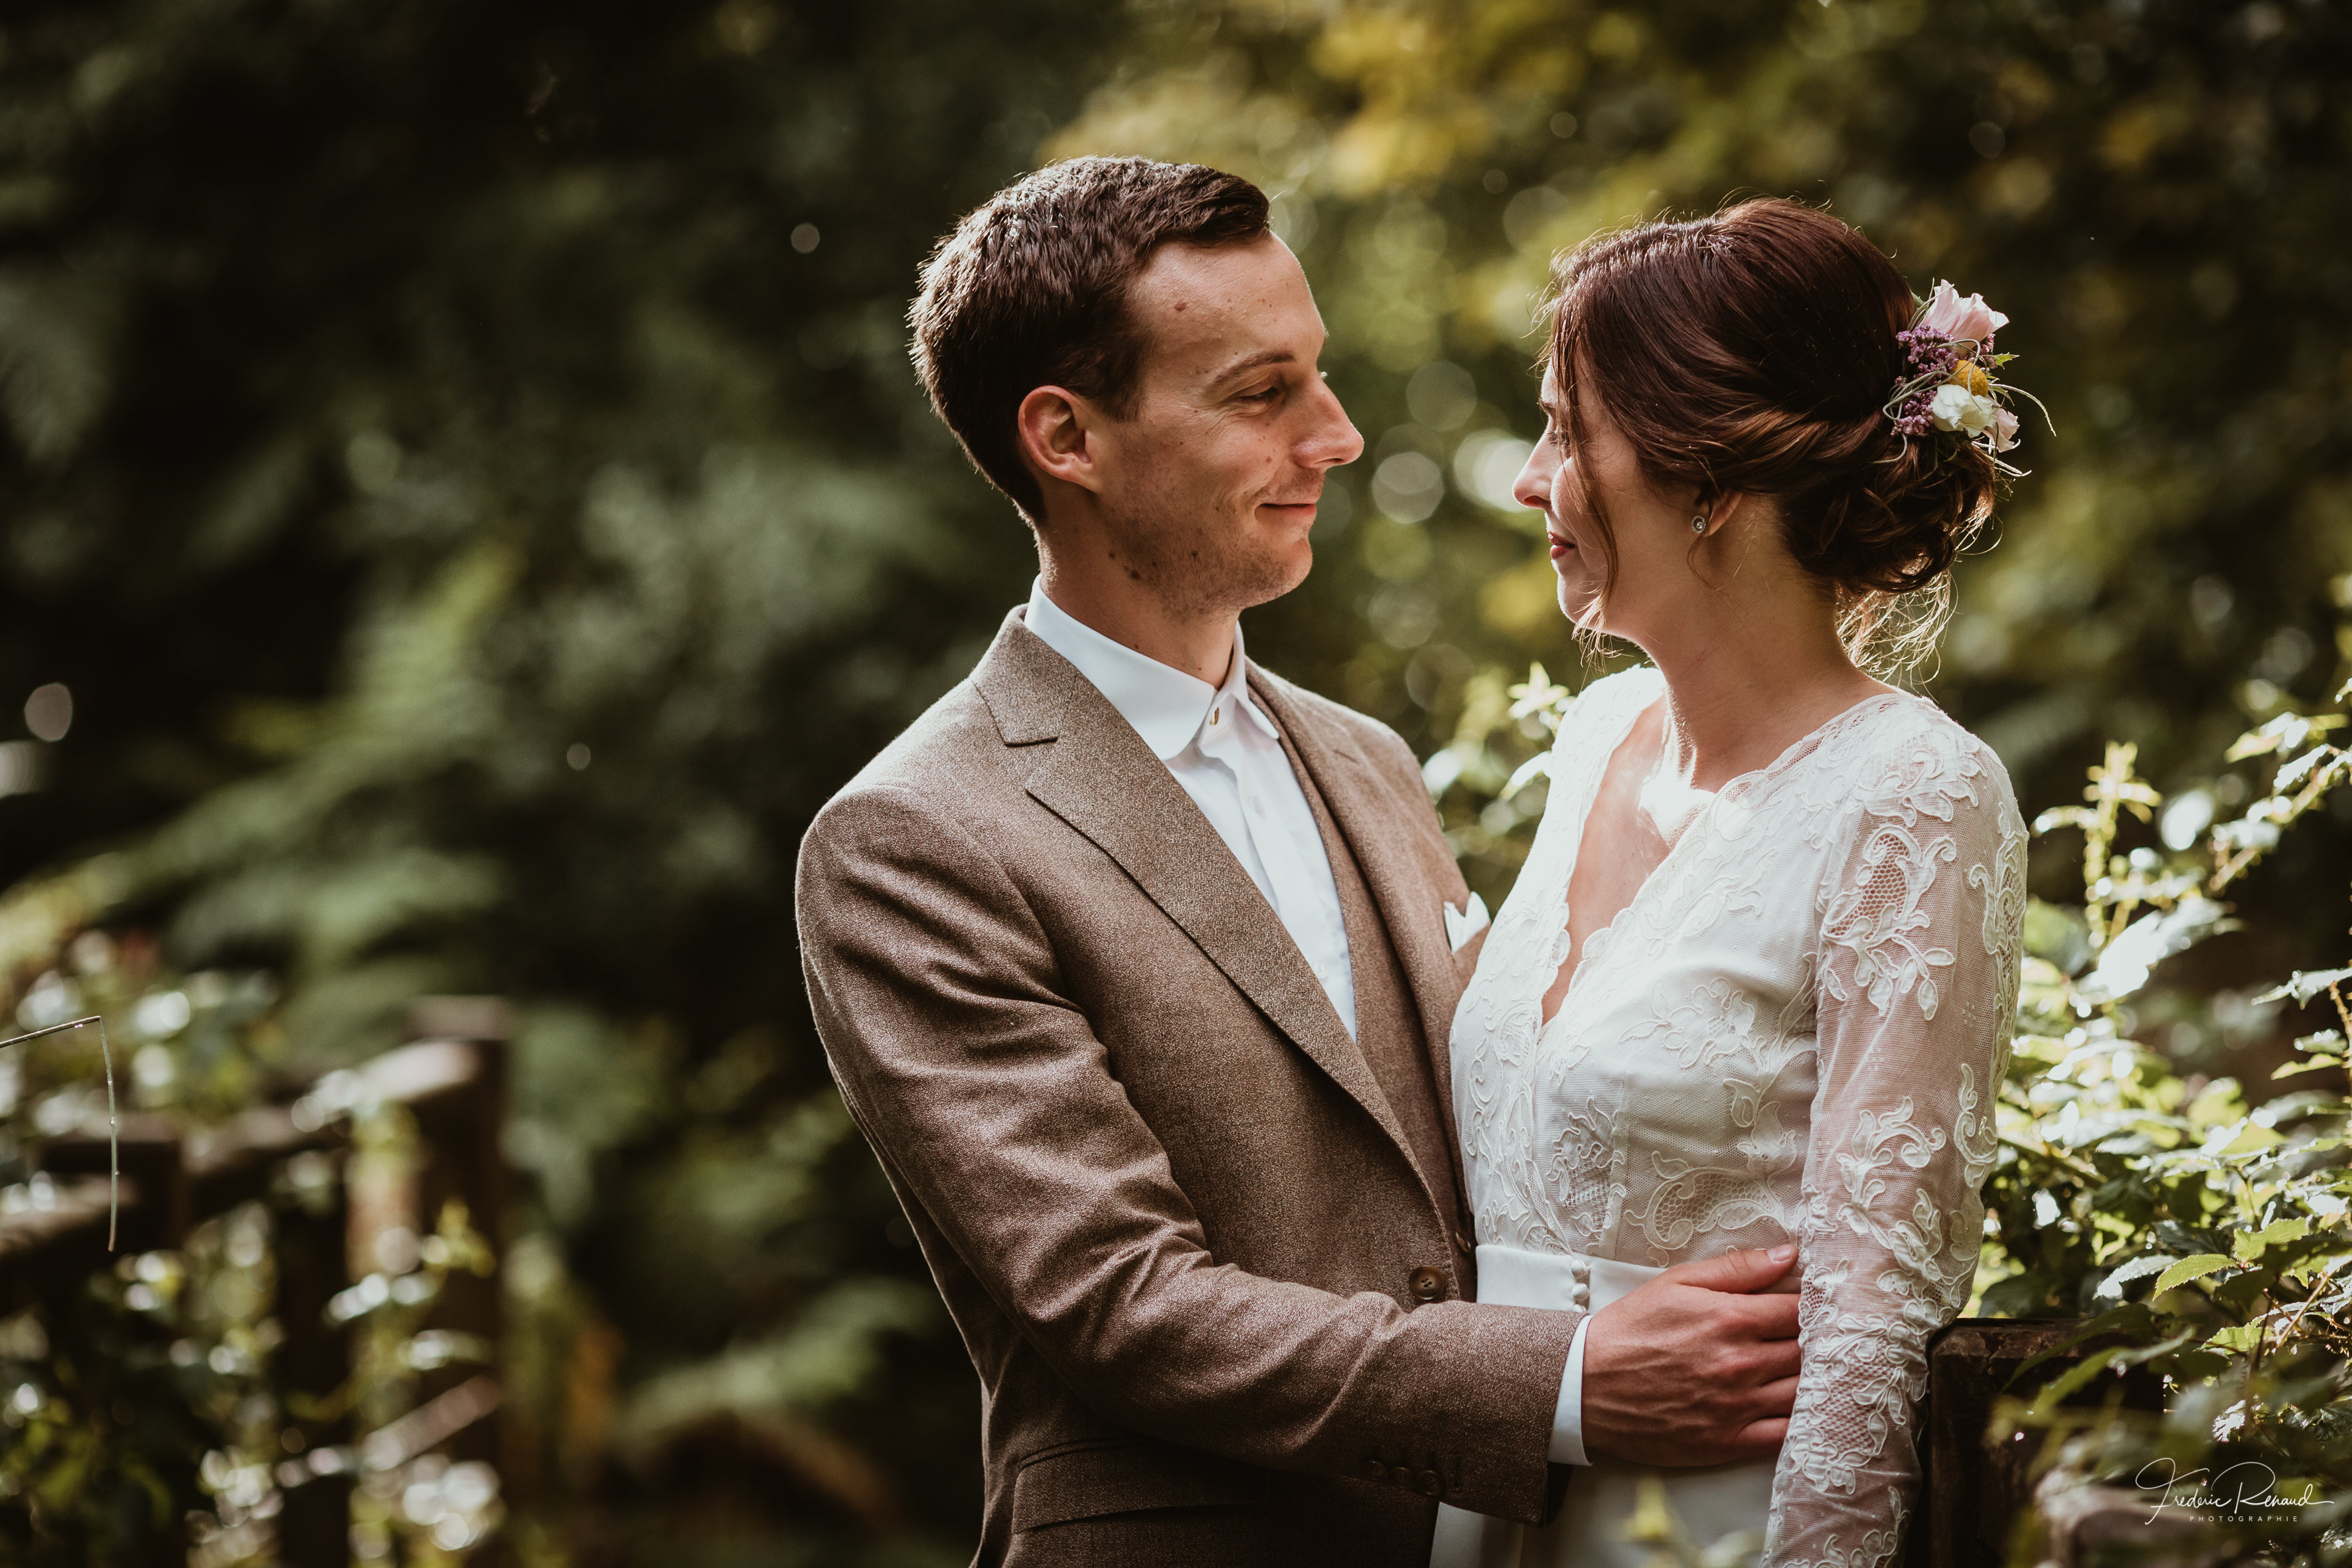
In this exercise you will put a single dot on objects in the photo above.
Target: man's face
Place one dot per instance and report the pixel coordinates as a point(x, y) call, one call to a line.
point(1210, 486)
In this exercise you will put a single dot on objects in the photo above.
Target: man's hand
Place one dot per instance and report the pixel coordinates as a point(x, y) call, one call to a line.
point(1696, 1367)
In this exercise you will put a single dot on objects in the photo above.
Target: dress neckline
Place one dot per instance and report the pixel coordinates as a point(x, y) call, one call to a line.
point(1650, 692)
point(1653, 691)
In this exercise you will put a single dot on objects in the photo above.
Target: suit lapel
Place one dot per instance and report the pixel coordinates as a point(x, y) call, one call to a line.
point(1102, 779)
point(1410, 900)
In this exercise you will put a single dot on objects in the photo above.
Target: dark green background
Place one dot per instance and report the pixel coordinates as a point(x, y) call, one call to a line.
point(397, 395)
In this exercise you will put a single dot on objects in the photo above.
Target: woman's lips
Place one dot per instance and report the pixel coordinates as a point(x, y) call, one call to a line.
point(1559, 546)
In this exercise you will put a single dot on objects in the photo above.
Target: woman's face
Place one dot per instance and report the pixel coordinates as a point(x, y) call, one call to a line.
point(1652, 531)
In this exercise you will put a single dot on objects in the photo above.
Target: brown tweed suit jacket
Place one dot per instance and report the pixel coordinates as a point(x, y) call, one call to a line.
point(1216, 1309)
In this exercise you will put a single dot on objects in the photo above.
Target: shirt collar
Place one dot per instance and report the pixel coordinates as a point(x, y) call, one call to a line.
point(1166, 706)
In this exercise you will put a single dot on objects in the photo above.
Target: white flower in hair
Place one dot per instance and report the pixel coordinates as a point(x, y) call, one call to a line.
point(1955, 408)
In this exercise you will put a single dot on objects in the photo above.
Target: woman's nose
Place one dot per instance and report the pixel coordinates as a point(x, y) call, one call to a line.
point(1534, 485)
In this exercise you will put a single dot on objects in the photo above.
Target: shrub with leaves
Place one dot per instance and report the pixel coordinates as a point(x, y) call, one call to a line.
point(2201, 1228)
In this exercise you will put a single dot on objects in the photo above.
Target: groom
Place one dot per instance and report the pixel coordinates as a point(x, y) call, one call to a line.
point(1136, 965)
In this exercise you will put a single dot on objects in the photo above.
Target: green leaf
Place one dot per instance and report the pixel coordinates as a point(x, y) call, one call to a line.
point(2252, 1140)
point(2189, 1269)
point(2112, 1287)
point(2306, 985)
point(2249, 1244)
point(2239, 1338)
point(2316, 1064)
point(2055, 1392)
point(2066, 817)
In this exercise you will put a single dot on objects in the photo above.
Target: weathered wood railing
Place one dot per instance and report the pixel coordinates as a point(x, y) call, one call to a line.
point(452, 1079)
point(1974, 1492)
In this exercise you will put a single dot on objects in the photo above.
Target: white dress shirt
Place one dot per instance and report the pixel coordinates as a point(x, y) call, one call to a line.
point(1229, 758)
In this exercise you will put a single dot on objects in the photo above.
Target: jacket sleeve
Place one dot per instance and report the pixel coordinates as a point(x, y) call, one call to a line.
point(984, 1087)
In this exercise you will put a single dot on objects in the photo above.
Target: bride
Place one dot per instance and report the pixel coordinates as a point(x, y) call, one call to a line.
point(1754, 983)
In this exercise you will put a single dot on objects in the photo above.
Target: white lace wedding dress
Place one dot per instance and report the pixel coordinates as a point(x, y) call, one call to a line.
point(1794, 1030)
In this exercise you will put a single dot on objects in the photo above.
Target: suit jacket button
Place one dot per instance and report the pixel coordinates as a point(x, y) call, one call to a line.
point(1428, 1284)
point(1430, 1484)
point(1401, 1475)
point(1375, 1469)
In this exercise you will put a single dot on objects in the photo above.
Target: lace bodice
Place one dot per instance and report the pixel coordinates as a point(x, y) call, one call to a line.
point(1794, 1030)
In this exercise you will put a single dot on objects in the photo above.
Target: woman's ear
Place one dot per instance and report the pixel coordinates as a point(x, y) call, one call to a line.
point(1056, 441)
point(1722, 507)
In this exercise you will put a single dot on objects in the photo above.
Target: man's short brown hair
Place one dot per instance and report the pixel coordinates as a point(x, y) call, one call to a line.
point(1030, 290)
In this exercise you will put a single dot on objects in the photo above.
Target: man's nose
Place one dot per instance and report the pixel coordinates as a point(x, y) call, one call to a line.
point(1335, 440)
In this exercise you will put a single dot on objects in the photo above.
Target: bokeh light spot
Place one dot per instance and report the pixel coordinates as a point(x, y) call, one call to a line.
point(49, 710)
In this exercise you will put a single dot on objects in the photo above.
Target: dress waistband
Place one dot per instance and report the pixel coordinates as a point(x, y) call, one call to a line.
point(1509, 1277)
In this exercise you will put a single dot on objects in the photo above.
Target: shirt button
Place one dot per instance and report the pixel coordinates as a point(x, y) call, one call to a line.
point(1402, 1475)
point(1428, 1284)
point(1215, 714)
point(1430, 1486)
point(1375, 1469)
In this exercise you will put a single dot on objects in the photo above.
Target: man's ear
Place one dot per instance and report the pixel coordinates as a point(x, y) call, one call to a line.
point(1057, 438)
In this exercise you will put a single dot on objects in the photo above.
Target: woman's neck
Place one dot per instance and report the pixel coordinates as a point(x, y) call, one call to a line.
point(1748, 681)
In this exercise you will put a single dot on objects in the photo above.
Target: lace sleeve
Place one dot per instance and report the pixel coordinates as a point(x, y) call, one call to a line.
point(1918, 977)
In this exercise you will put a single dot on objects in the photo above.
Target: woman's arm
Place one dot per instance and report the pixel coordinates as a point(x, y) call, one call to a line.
point(1917, 984)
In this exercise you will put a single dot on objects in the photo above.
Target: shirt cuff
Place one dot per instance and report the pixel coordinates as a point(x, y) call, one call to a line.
point(1568, 1421)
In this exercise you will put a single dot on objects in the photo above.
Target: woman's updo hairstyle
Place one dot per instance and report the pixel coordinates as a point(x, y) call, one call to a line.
point(1755, 350)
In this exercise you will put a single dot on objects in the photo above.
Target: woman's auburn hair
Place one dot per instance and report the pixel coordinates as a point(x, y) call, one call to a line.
point(1754, 351)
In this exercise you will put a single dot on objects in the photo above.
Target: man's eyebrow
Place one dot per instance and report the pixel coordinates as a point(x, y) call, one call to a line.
point(1248, 363)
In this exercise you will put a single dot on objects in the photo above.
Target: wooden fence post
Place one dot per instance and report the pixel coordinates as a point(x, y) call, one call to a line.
point(1973, 1492)
point(461, 1132)
point(314, 1530)
point(452, 1079)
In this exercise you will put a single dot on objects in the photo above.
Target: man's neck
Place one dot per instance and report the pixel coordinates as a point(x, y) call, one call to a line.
point(1131, 615)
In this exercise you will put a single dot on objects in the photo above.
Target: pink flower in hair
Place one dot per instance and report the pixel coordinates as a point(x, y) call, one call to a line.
point(2004, 430)
point(1951, 316)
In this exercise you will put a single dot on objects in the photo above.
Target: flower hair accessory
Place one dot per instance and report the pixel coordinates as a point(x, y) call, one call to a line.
point(1952, 386)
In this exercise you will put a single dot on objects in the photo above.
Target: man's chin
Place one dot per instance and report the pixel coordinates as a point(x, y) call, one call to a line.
point(1282, 570)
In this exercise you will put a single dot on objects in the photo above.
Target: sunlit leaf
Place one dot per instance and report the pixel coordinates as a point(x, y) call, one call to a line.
point(2305, 984)
point(2113, 1286)
point(2238, 1339)
point(2190, 1269)
point(2249, 1244)
point(2123, 964)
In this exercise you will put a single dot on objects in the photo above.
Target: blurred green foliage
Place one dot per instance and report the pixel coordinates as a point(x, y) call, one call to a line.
point(463, 462)
point(2153, 191)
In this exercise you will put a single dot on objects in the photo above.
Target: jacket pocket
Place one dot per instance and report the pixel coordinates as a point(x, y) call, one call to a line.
point(1063, 1484)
